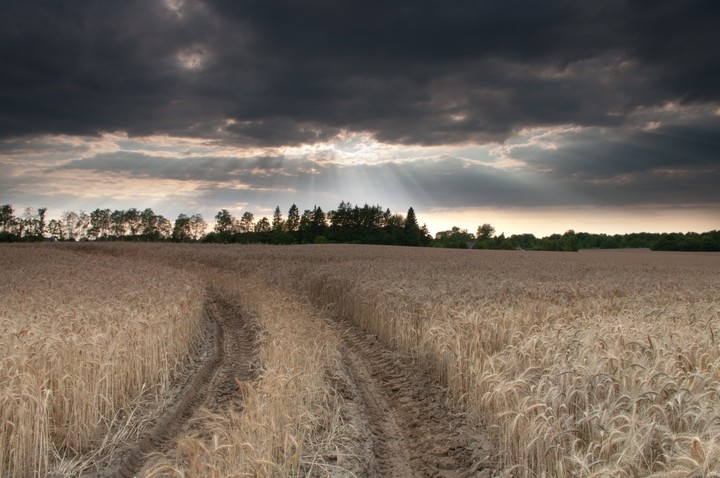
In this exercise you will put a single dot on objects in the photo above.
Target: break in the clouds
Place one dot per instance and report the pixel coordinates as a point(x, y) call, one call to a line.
point(440, 105)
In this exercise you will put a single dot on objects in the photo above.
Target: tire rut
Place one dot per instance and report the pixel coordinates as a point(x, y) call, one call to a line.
point(412, 431)
point(213, 385)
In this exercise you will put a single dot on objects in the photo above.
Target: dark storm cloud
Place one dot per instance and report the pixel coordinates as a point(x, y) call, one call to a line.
point(595, 154)
point(218, 169)
point(288, 72)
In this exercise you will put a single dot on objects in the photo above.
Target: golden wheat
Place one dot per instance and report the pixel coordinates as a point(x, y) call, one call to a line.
point(82, 338)
point(588, 364)
point(286, 416)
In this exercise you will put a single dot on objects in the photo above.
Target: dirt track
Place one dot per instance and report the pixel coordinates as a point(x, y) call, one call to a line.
point(213, 385)
point(401, 424)
point(409, 429)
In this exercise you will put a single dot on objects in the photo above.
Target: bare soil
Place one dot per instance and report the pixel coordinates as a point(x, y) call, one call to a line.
point(403, 425)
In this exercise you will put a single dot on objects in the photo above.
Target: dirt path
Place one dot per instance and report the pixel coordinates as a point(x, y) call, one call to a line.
point(213, 384)
point(409, 431)
point(401, 424)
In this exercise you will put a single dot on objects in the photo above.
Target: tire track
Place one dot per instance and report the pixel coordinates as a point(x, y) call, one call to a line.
point(412, 431)
point(213, 384)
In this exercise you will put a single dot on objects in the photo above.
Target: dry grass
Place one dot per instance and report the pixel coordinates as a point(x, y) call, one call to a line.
point(83, 337)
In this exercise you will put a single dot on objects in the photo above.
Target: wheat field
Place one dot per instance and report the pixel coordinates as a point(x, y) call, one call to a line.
point(83, 338)
point(585, 364)
point(287, 416)
point(594, 363)
point(590, 364)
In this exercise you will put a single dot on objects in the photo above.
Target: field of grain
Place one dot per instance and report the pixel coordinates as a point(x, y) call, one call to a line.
point(280, 421)
point(588, 364)
point(578, 364)
point(584, 364)
point(83, 339)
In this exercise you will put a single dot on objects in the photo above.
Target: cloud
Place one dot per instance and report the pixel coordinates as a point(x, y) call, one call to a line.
point(467, 104)
point(205, 168)
point(289, 72)
point(667, 165)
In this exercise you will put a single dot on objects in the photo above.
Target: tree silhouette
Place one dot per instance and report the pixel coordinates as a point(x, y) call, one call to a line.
point(412, 234)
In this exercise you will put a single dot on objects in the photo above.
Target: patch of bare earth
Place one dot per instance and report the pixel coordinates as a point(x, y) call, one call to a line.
point(213, 385)
point(401, 423)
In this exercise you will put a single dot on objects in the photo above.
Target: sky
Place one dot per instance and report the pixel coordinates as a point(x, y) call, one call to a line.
point(533, 116)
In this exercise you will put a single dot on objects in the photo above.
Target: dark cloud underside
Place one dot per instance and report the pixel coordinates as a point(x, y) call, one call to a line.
point(289, 72)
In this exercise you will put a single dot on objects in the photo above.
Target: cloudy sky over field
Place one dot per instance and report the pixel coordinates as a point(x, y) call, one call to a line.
point(535, 116)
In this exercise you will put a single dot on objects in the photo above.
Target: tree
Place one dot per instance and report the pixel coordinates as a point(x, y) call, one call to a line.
point(319, 221)
point(181, 229)
point(455, 238)
point(118, 225)
point(69, 220)
point(133, 220)
point(8, 224)
point(7, 218)
point(413, 236)
point(29, 224)
point(99, 223)
point(149, 224)
point(263, 225)
point(224, 222)
point(83, 225)
point(370, 218)
point(485, 232)
point(293, 221)
point(410, 220)
point(570, 241)
point(394, 220)
point(74, 225)
point(277, 222)
point(246, 222)
point(342, 217)
point(342, 224)
point(305, 229)
point(41, 220)
point(164, 228)
point(56, 230)
point(197, 226)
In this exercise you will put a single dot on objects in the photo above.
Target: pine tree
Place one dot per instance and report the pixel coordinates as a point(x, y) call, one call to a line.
point(277, 222)
point(413, 234)
point(293, 221)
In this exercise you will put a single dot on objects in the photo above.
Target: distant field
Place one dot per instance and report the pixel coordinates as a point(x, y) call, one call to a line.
point(594, 363)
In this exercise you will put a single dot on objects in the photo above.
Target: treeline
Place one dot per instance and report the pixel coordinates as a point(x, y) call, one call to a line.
point(572, 241)
point(100, 224)
point(346, 224)
point(365, 225)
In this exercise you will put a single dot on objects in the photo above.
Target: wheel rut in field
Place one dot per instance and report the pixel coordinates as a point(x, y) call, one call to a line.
point(412, 432)
point(213, 384)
